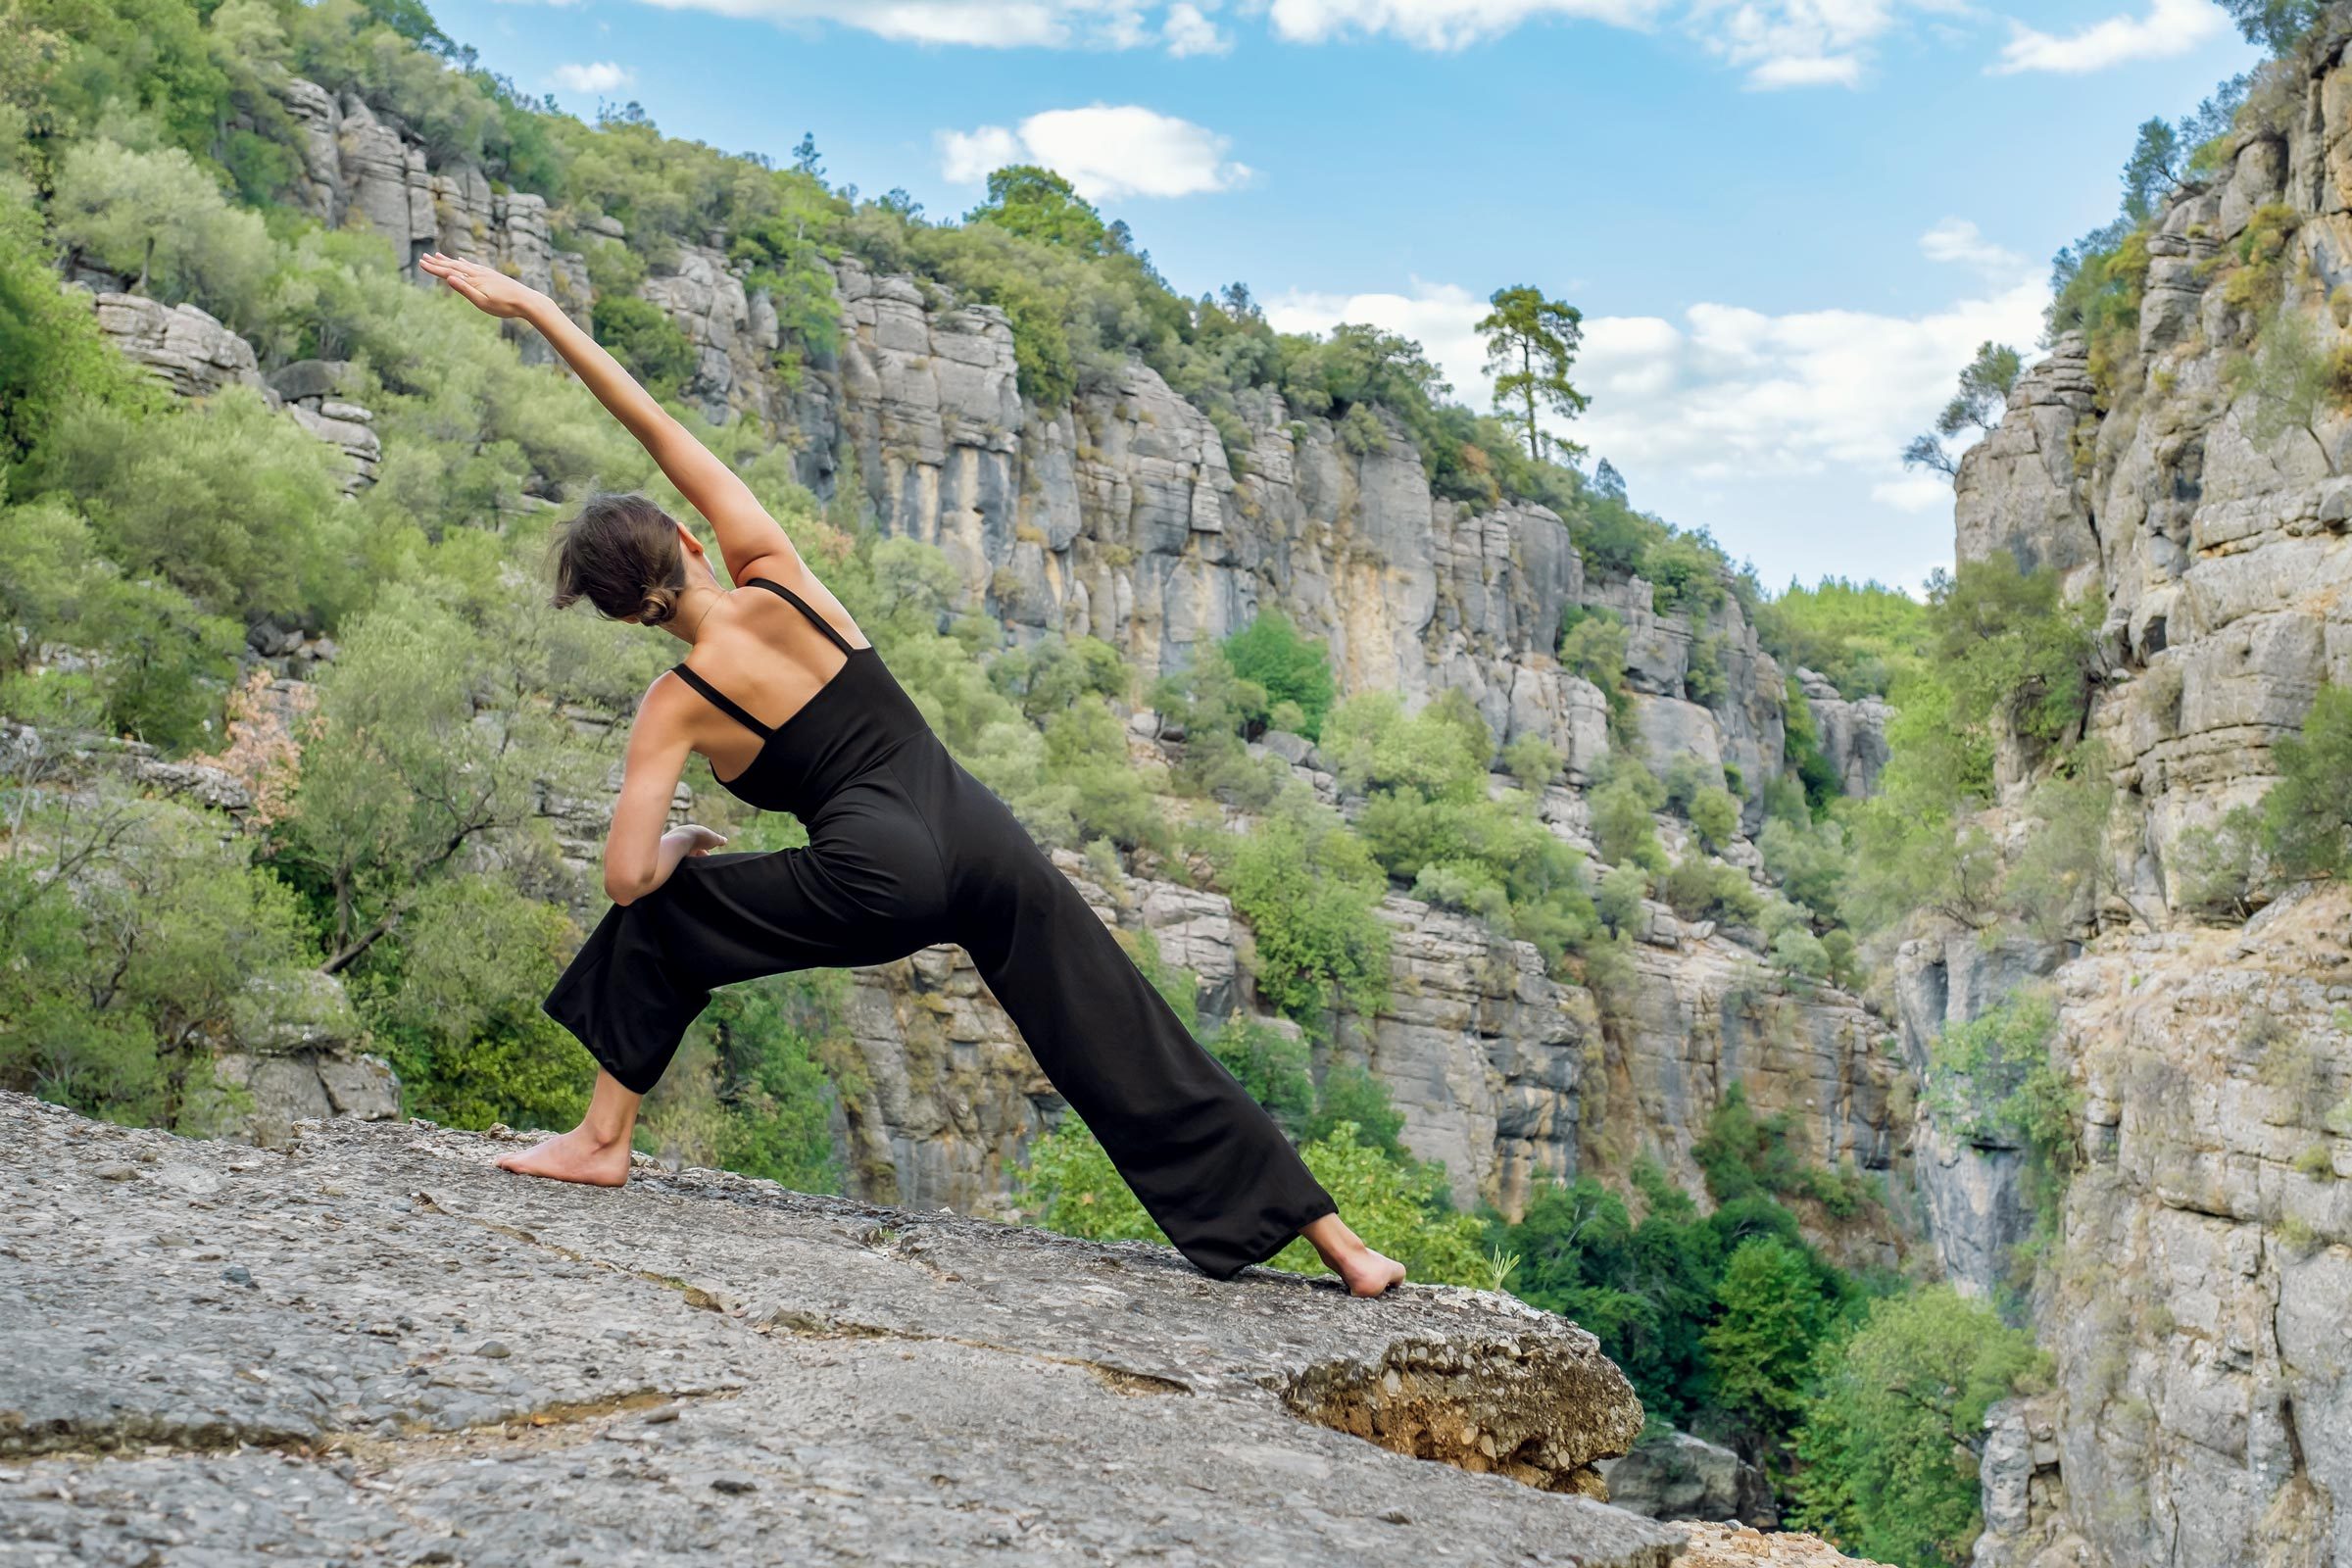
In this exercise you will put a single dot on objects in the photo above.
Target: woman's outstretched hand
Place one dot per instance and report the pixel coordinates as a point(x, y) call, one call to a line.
point(490, 289)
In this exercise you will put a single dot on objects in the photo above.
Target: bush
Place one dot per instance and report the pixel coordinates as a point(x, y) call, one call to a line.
point(227, 500)
point(643, 337)
point(2307, 816)
point(1310, 892)
point(1991, 1081)
point(1270, 653)
point(156, 218)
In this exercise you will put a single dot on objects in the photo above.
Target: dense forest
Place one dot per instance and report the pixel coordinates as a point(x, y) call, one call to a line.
point(396, 875)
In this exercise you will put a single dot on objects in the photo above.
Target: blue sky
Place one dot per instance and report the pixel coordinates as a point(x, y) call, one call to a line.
point(1787, 223)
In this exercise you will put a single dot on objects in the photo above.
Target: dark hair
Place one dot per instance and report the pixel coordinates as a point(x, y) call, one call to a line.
point(621, 555)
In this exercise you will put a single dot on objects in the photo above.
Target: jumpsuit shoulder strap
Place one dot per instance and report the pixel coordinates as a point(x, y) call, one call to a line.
point(805, 609)
point(719, 700)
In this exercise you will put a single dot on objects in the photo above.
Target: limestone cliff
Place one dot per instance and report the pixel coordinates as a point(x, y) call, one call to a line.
point(2198, 1417)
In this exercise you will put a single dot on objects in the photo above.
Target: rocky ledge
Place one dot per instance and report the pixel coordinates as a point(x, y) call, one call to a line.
point(375, 1344)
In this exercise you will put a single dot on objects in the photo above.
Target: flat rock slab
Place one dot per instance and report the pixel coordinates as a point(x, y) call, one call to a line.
point(375, 1346)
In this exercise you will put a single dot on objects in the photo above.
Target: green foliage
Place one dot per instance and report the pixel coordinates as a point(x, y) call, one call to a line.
point(132, 937)
point(1038, 204)
point(1720, 1349)
point(227, 500)
point(1429, 817)
point(1270, 654)
point(1623, 829)
point(1991, 1081)
point(1272, 1066)
point(643, 337)
point(157, 218)
point(1312, 893)
point(2013, 650)
point(2307, 817)
point(1892, 1438)
point(1771, 1317)
point(52, 357)
point(1862, 636)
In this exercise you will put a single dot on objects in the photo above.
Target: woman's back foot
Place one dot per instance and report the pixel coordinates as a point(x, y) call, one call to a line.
point(1370, 1274)
point(578, 1155)
point(1344, 1253)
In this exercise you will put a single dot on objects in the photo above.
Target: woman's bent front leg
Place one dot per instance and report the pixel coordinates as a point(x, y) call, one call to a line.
point(595, 1152)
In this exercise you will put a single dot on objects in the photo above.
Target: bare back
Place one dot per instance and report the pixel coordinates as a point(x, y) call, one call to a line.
point(755, 647)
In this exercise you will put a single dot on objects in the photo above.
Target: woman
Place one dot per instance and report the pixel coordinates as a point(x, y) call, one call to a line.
point(796, 712)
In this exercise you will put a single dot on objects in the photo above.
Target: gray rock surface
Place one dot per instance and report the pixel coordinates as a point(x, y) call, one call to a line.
point(2199, 1418)
point(375, 1344)
point(1685, 1476)
point(189, 351)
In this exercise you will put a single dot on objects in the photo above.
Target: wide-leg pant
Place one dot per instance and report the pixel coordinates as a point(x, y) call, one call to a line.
point(915, 852)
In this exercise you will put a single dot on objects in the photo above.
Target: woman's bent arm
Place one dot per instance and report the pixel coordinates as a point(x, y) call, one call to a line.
point(748, 537)
point(639, 857)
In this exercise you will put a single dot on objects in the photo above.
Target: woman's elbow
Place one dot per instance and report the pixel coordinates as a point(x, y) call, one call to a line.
point(624, 886)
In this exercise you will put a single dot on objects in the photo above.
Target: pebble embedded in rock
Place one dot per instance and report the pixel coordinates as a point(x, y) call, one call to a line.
point(734, 1485)
point(494, 1350)
point(238, 1274)
point(115, 1173)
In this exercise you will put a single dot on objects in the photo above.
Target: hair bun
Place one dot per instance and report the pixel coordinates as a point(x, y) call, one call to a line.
point(660, 603)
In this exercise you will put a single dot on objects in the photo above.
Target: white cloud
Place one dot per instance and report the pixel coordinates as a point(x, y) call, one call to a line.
point(1721, 398)
point(1956, 240)
point(1442, 23)
point(967, 157)
point(598, 77)
point(1189, 32)
point(1104, 150)
point(1800, 44)
point(2170, 29)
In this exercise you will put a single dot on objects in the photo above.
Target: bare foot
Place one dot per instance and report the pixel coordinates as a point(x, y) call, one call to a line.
point(1344, 1253)
point(1368, 1273)
point(578, 1155)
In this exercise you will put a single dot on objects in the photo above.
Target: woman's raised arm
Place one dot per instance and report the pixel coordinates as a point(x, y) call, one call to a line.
point(748, 537)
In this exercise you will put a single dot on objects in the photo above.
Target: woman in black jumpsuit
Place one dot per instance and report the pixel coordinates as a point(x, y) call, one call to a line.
point(906, 850)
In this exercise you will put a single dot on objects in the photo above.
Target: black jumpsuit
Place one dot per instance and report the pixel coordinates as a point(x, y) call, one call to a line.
point(906, 850)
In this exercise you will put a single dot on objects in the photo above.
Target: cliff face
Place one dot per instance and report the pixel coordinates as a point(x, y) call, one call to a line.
point(2200, 1412)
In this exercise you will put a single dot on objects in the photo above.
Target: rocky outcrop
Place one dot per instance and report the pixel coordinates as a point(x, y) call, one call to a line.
point(1682, 1477)
point(376, 1340)
point(363, 168)
point(1853, 733)
point(309, 390)
point(2196, 1305)
point(184, 348)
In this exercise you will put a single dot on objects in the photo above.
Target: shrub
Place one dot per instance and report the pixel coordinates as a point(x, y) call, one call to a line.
point(1270, 653)
point(1310, 892)
point(2307, 816)
point(643, 337)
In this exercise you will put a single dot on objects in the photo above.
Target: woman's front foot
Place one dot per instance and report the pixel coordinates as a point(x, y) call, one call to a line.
point(579, 1155)
point(1363, 1271)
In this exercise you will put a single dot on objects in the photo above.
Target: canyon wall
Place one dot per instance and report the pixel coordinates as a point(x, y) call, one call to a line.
point(2192, 1293)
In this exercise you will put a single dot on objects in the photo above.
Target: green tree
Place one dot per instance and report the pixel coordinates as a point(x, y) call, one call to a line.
point(1531, 347)
point(1771, 1319)
point(1891, 1439)
point(161, 221)
point(1038, 204)
point(643, 337)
